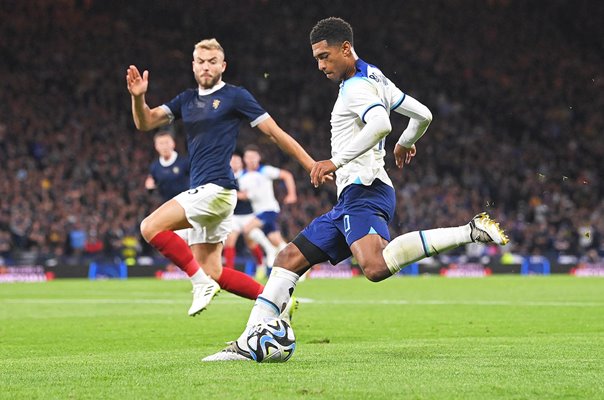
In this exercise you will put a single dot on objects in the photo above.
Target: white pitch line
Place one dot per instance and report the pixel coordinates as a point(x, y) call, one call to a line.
point(459, 302)
point(230, 301)
point(104, 301)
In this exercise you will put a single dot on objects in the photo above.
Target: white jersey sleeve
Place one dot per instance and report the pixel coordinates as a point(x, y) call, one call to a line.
point(360, 96)
point(396, 95)
point(270, 172)
point(419, 120)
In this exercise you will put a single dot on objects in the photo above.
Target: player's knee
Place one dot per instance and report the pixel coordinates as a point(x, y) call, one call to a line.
point(147, 231)
point(376, 271)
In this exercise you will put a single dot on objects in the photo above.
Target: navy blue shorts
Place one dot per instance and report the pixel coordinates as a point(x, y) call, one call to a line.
point(360, 211)
point(269, 221)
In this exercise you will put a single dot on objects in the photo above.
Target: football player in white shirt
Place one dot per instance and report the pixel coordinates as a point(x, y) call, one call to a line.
point(245, 221)
point(257, 184)
point(357, 224)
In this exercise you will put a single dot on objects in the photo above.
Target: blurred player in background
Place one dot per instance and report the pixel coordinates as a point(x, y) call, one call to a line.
point(242, 216)
point(211, 114)
point(256, 183)
point(169, 174)
point(358, 223)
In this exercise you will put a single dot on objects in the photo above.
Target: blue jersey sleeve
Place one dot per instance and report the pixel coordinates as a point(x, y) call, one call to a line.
point(249, 107)
point(175, 106)
point(187, 164)
point(153, 170)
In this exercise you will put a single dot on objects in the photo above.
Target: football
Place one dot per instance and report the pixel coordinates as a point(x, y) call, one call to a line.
point(272, 340)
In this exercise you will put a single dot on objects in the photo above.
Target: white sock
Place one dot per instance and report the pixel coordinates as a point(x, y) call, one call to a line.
point(411, 247)
point(200, 278)
point(272, 301)
point(259, 237)
point(281, 246)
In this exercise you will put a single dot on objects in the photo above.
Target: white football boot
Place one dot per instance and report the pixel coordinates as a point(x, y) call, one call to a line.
point(202, 296)
point(486, 230)
point(233, 352)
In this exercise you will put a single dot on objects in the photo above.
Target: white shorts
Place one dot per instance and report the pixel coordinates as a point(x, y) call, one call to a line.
point(241, 220)
point(209, 210)
point(184, 234)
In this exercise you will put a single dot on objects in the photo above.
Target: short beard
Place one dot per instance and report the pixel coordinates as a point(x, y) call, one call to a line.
point(213, 82)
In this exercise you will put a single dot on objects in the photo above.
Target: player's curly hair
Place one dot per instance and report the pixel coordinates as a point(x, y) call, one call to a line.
point(333, 29)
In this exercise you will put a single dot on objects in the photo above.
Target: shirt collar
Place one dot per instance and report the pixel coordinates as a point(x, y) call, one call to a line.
point(169, 161)
point(205, 92)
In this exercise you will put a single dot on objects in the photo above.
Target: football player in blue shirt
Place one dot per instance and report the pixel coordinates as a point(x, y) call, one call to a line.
point(211, 114)
point(169, 173)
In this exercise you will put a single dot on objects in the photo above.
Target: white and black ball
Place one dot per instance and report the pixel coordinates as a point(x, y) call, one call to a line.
point(272, 340)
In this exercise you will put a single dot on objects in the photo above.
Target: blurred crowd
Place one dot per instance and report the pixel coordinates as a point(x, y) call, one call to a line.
point(516, 89)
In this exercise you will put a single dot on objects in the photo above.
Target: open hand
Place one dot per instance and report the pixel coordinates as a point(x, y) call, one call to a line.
point(137, 84)
point(404, 155)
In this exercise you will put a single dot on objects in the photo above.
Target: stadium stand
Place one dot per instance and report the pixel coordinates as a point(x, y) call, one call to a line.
point(517, 110)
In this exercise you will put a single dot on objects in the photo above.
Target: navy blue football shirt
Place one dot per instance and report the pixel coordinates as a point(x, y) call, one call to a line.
point(211, 123)
point(171, 179)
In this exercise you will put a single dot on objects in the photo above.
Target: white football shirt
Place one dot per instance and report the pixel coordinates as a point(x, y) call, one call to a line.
point(258, 185)
point(368, 88)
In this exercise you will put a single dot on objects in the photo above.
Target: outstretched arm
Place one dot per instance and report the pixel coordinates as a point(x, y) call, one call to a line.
point(285, 142)
point(290, 185)
point(144, 117)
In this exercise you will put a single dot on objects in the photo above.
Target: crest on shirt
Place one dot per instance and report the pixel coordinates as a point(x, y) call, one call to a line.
point(215, 103)
point(176, 170)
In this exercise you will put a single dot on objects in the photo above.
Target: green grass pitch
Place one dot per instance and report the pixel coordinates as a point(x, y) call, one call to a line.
point(500, 337)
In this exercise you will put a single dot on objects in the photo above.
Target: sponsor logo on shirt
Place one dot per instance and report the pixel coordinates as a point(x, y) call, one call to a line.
point(376, 75)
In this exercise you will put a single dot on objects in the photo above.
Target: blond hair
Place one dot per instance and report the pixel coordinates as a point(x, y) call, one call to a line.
point(209, 44)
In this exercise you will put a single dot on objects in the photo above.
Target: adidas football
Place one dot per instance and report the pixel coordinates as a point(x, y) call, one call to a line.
point(272, 340)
